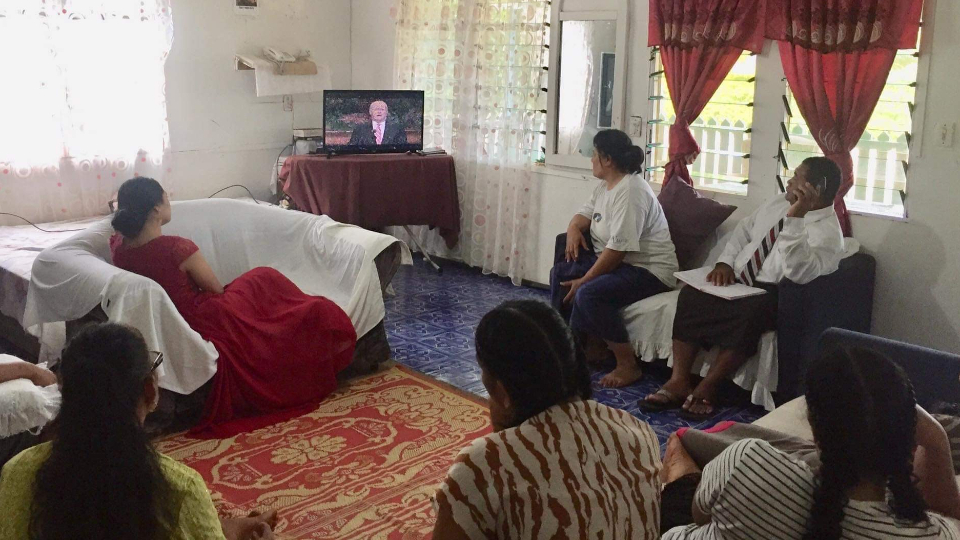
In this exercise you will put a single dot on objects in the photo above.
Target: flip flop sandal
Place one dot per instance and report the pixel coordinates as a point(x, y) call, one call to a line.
point(673, 402)
point(702, 417)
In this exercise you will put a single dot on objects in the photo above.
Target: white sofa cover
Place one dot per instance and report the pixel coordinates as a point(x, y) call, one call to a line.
point(319, 255)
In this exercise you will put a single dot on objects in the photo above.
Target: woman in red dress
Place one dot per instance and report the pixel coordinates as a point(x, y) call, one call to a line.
point(280, 349)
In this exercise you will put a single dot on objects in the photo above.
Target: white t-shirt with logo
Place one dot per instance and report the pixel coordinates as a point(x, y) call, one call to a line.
point(629, 218)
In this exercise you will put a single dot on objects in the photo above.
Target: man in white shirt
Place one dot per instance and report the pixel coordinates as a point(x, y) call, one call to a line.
point(379, 132)
point(795, 237)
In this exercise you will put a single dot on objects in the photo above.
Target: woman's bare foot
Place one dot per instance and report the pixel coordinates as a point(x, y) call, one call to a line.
point(677, 463)
point(702, 401)
point(628, 369)
point(622, 376)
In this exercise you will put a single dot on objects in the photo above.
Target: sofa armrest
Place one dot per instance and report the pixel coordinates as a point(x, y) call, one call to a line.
point(843, 299)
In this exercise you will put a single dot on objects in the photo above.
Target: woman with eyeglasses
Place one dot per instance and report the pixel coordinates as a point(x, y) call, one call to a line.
point(100, 478)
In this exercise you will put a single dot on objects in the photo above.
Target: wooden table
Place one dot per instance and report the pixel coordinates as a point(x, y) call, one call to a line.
point(376, 191)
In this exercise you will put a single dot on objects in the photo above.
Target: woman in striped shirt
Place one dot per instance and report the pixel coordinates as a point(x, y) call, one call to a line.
point(868, 429)
point(558, 464)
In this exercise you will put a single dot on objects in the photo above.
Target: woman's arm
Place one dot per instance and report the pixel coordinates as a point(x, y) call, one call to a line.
point(200, 272)
point(608, 261)
point(579, 223)
point(934, 467)
point(10, 371)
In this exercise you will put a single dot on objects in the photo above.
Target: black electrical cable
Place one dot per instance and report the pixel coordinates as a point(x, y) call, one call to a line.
point(239, 186)
point(34, 225)
point(38, 228)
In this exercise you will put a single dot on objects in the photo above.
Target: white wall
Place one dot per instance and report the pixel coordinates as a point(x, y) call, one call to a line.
point(220, 132)
point(918, 260)
point(373, 32)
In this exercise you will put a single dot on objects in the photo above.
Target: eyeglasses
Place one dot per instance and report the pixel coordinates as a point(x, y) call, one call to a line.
point(158, 359)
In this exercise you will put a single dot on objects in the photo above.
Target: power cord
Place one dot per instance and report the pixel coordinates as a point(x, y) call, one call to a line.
point(34, 225)
point(239, 186)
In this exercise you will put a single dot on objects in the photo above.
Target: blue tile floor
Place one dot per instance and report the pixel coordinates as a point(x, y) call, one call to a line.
point(430, 324)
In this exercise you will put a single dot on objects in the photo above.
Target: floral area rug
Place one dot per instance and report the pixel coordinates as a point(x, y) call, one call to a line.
point(365, 464)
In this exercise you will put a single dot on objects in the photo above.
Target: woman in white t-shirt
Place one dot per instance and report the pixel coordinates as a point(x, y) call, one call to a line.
point(617, 251)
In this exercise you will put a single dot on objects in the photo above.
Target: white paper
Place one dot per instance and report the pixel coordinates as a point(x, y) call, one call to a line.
point(698, 280)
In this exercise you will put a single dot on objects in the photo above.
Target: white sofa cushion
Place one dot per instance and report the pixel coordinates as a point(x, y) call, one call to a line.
point(25, 406)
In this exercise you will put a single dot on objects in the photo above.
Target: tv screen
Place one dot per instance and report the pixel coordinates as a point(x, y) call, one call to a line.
point(364, 121)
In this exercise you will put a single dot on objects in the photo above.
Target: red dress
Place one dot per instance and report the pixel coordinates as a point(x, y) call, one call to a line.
point(280, 349)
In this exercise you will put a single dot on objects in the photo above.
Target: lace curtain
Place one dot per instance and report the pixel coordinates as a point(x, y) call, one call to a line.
point(81, 101)
point(481, 65)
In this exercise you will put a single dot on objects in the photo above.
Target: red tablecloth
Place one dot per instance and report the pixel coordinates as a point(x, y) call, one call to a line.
point(376, 191)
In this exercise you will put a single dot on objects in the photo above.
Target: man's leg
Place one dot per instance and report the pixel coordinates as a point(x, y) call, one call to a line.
point(680, 384)
point(705, 394)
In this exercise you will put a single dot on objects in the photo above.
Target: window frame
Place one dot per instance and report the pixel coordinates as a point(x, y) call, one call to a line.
point(915, 140)
point(568, 10)
point(655, 74)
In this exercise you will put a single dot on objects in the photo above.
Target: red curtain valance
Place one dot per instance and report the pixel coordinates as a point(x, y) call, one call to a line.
point(687, 24)
point(844, 25)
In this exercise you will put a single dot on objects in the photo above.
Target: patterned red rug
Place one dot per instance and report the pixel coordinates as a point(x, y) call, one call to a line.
point(364, 465)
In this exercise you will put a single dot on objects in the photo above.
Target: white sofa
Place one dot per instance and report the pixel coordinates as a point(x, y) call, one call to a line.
point(76, 277)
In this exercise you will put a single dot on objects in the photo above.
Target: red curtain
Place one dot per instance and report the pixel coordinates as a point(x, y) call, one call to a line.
point(700, 41)
point(836, 56)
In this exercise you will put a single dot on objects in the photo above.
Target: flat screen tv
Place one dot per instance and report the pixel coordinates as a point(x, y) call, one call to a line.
point(372, 121)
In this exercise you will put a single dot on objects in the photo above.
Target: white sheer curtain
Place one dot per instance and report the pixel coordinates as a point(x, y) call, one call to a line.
point(481, 65)
point(82, 104)
point(576, 85)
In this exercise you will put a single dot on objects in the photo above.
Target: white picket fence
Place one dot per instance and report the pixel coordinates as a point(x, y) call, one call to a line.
point(723, 163)
point(878, 165)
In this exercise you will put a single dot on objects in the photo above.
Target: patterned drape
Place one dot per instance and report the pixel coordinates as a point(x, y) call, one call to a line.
point(837, 56)
point(82, 104)
point(481, 64)
point(700, 41)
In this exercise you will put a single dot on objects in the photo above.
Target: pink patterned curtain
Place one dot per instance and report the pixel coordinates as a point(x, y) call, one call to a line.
point(836, 56)
point(700, 41)
point(82, 105)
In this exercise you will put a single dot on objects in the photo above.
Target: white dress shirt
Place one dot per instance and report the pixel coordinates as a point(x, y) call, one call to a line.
point(808, 247)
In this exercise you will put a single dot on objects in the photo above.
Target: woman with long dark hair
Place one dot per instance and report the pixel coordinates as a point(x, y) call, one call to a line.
point(867, 428)
point(100, 478)
point(618, 251)
point(558, 464)
point(280, 349)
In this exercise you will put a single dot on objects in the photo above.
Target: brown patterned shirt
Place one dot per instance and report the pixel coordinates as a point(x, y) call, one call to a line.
point(577, 470)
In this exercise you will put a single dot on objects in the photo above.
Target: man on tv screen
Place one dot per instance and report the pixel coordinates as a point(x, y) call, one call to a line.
point(379, 131)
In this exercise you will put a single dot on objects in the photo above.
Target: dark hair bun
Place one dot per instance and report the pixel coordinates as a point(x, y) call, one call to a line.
point(136, 198)
point(618, 146)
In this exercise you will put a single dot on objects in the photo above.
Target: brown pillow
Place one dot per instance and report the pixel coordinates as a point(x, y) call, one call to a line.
point(691, 218)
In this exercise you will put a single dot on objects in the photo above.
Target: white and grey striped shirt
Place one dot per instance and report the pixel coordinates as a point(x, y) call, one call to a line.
point(753, 490)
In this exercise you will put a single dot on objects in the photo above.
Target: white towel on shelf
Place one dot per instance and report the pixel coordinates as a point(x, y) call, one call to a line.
point(269, 83)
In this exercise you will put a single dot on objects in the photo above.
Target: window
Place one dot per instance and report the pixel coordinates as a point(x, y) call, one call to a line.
point(482, 67)
point(83, 81)
point(587, 78)
point(881, 157)
point(723, 129)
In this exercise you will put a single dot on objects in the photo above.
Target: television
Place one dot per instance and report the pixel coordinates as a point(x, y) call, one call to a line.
point(372, 121)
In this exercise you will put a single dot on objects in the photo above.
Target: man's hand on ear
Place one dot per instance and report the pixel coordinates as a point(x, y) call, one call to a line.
point(808, 198)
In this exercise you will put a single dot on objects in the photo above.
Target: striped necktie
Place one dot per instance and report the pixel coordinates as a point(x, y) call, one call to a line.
point(750, 272)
